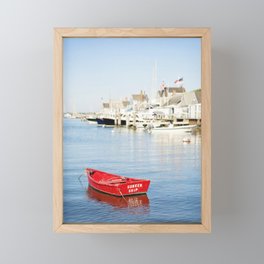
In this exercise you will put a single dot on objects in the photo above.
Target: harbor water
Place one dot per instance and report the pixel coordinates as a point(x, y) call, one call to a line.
point(172, 166)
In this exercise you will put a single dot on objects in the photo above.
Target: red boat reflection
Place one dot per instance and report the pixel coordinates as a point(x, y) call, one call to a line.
point(117, 201)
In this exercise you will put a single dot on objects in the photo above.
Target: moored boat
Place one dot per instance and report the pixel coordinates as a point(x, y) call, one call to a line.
point(179, 128)
point(115, 184)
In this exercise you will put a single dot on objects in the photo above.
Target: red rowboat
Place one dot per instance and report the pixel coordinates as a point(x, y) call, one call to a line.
point(117, 201)
point(115, 184)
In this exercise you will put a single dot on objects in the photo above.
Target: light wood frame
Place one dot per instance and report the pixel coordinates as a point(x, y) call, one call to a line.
point(60, 33)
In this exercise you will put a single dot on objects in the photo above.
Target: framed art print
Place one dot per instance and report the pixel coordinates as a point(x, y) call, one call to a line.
point(132, 130)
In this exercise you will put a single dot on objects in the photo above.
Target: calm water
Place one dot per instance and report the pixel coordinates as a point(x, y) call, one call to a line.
point(173, 167)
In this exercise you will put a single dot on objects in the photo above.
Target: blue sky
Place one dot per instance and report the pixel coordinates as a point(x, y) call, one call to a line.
point(99, 69)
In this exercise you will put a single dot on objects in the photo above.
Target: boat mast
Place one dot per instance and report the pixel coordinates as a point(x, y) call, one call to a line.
point(154, 83)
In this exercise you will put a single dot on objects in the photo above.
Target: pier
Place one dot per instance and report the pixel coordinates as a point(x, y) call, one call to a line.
point(171, 106)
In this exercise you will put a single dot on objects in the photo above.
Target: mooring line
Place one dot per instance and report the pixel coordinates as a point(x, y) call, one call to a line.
point(79, 179)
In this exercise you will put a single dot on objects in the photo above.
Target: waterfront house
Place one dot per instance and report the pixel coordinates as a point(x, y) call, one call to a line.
point(186, 105)
point(139, 101)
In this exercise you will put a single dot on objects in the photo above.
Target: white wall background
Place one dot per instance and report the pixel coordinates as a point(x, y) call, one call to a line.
point(26, 44)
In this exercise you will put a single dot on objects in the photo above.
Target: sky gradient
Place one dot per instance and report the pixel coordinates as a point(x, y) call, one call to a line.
point(99, 69)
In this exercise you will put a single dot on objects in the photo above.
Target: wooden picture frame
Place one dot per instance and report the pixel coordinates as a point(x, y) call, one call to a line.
point(61, 33)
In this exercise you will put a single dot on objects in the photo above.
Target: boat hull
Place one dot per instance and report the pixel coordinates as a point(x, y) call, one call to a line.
point(100, 121)
point(91, 120)
point(116, 185)
point(111, 122)
point(108, 121)
point(180, 129)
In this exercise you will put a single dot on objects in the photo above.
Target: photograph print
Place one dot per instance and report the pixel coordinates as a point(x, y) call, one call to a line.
point(132, 127)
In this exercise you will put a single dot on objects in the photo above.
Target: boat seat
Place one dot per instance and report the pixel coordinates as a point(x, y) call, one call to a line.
point(114, 181)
